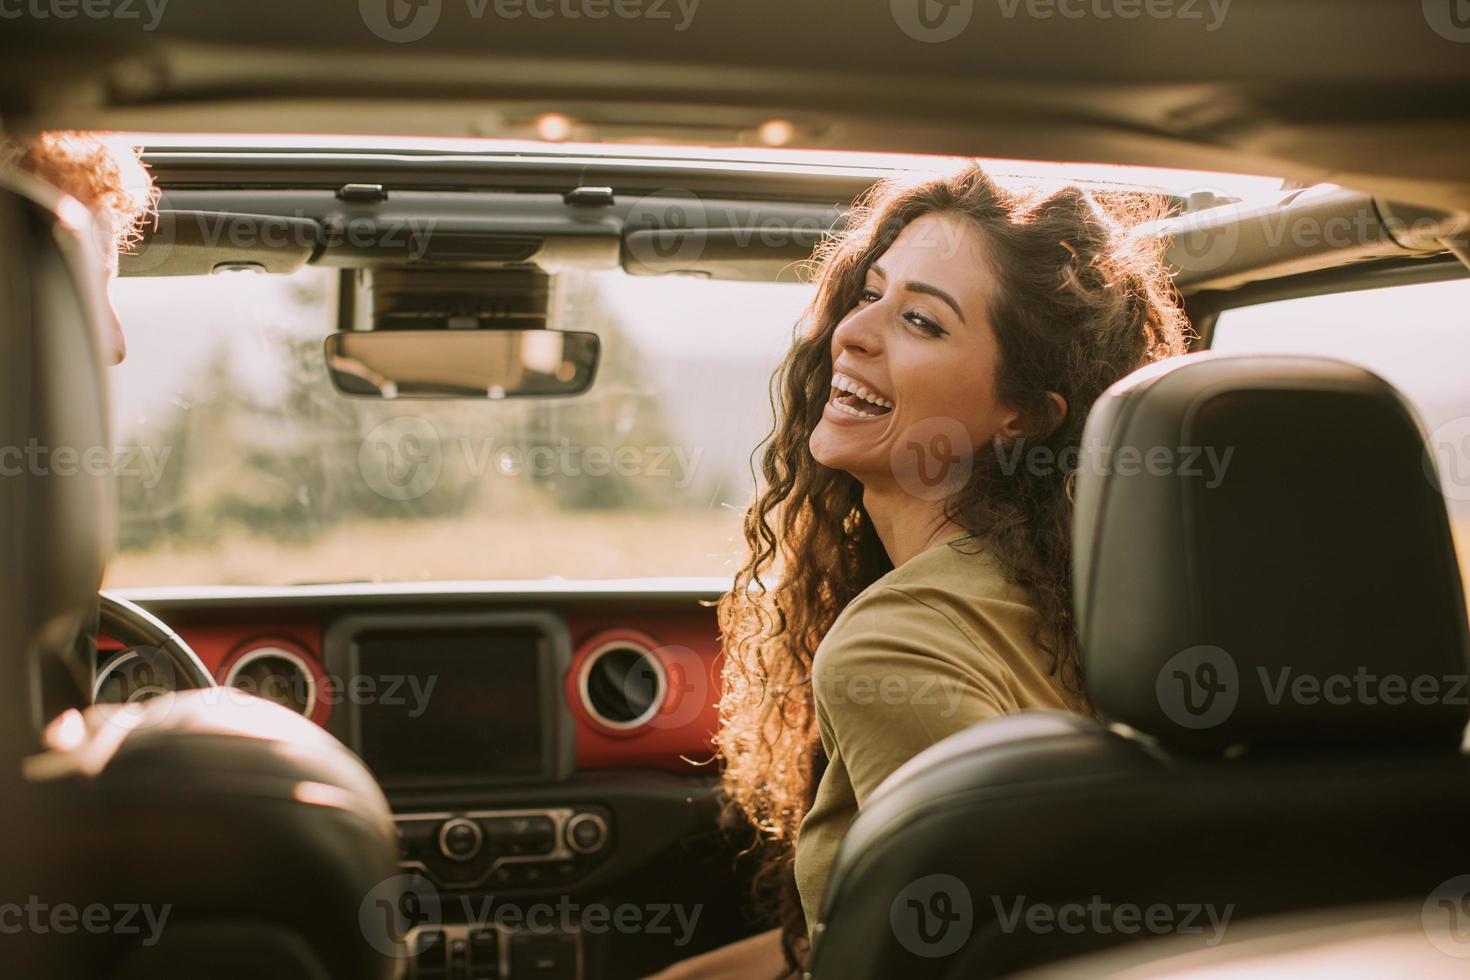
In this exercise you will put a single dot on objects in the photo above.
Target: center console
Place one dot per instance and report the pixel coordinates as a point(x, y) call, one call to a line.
point(469, 707)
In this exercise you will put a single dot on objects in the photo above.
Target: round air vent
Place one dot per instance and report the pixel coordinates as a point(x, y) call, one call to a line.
point(622, 684)
point(278, 675)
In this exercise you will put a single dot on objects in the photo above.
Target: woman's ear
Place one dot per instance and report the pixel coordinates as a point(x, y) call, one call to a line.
point(1058, 411)
point(1018, 426)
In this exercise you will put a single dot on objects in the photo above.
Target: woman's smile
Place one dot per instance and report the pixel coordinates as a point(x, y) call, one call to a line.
point(854, 399)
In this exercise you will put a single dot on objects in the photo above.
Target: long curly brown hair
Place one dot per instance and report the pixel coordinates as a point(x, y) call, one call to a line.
point(1080, 300)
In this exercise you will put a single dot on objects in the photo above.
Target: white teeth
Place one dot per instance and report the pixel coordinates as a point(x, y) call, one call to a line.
point(842, 382)
point(853, 411)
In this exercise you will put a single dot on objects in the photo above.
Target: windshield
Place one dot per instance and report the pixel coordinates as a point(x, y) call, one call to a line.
point(241, 464)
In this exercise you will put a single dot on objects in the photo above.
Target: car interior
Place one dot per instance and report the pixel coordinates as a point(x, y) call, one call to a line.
point(385, 644)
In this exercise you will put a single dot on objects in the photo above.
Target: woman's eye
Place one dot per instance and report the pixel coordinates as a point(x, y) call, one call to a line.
point(925, 324)
point(868, 295)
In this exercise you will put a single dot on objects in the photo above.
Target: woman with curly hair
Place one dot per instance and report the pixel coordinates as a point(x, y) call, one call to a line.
point(909, 553)
point(106, 174)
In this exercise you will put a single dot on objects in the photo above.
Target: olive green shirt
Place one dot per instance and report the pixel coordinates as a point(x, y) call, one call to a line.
point(931, 648)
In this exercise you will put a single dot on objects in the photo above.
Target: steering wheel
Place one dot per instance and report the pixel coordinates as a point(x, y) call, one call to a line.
point(154, 659)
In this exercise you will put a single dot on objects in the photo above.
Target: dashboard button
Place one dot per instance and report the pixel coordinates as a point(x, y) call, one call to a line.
point(460, 839)
point(429, 953)
point(484, 954)
point(586, 833)
point(547, 957)
point(415, 835)
point(522, 836)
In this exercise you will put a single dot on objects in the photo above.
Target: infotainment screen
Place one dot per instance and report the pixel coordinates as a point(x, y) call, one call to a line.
point(455, 702)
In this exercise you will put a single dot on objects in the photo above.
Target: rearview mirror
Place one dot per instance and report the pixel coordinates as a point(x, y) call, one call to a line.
point(462, 363)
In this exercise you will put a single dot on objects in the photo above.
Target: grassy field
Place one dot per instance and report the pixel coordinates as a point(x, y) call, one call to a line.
point(581, 546)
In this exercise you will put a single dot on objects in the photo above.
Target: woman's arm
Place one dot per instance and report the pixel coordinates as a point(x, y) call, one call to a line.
point(756, 958)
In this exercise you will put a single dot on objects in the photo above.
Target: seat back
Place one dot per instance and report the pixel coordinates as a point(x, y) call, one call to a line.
point(1281, 646)
point(57, 508)
point(203, 836)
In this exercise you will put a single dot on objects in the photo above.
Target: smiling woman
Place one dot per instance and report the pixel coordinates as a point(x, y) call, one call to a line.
point(923, 582)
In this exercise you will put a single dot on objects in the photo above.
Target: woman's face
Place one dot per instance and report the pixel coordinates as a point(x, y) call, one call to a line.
point(914, 361)
point(112, 331)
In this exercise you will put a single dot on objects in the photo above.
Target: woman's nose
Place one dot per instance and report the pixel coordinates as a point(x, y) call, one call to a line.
point(112, 334)
point(859, 331)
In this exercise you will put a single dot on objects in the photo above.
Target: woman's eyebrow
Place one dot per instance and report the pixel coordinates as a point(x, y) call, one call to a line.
point(923, 287)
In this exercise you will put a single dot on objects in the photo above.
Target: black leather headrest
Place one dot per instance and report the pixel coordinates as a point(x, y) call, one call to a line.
point(1262, 554)
point(57, 506)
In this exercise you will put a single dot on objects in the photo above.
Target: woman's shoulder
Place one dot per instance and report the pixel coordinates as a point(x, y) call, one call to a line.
point(951, 603)
point(959, 574)
point(938, 594)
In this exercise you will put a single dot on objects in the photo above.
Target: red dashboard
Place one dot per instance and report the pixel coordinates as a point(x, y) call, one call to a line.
point(676, 737)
